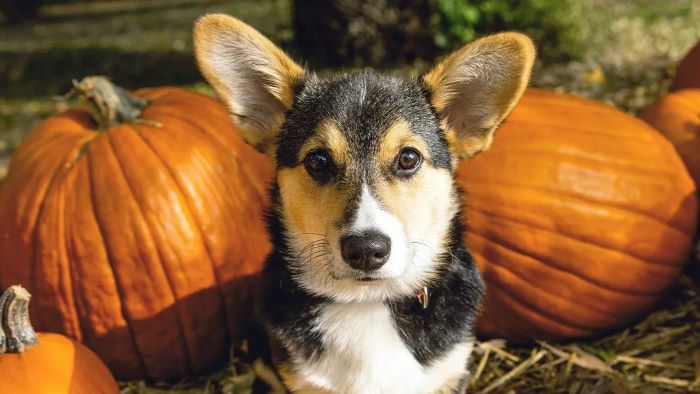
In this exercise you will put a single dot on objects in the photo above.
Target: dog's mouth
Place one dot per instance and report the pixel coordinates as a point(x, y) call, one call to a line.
point(364, 277)
point(357, 277)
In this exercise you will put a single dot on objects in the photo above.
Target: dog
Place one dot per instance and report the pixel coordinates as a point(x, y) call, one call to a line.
point(369, 287)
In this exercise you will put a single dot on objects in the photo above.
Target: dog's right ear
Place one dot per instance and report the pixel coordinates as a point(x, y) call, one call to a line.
point(254, 78)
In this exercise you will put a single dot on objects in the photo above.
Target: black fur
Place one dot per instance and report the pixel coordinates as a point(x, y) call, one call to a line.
point(384, 99)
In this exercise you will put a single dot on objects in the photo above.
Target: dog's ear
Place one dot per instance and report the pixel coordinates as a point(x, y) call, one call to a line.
point(477, 86)
point(254, 78)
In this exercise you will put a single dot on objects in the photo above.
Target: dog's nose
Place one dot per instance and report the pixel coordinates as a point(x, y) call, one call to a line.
point(366, 251)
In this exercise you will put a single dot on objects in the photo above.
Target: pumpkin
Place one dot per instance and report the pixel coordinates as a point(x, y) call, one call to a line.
point(688, 71)
point(580, 218)
point(44, 363)
point(137, 224)
point(677, 116)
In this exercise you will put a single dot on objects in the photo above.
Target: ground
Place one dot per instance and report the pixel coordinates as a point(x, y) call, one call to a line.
point(633, 47)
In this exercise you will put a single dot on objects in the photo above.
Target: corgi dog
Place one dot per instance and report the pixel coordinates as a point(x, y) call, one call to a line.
point(369, 287)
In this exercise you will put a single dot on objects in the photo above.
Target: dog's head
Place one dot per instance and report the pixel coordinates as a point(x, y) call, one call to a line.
point(365, 161)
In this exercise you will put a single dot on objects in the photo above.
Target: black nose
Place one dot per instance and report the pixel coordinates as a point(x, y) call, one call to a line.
point(366, 251)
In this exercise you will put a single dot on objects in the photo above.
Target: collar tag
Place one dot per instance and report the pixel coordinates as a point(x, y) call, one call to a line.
point(423, 297)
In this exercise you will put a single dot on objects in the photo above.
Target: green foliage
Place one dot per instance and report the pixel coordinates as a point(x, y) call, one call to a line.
point(552, 24)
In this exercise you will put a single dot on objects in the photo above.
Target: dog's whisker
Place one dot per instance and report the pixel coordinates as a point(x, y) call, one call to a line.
point(445, 250)
point(311, 245)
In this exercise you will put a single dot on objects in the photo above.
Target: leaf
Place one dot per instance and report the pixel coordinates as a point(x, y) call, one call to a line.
point(587, 360)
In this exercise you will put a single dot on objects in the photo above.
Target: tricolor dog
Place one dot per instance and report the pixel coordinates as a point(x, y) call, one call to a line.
point(369, 287)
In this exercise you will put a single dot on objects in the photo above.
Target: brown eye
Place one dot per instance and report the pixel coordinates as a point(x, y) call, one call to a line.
point(408, 161)
point(319, 165)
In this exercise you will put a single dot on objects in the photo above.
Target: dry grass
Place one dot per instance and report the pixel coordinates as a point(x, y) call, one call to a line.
point(660, 354)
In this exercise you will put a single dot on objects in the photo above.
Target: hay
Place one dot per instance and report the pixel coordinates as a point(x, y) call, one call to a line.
point(659, 354)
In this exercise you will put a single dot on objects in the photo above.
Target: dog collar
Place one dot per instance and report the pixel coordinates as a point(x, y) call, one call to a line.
point(423, 297)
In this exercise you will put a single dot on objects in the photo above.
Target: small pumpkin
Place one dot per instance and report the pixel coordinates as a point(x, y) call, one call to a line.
point(44, 363)
point(580, 218)
point(677, 116)
point(137, 223)
point(688, 71)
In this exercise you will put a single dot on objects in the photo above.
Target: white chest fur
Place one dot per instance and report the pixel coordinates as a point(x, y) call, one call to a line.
point(363, 353)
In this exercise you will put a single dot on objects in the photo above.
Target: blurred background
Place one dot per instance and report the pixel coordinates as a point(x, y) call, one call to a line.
point(621, 52)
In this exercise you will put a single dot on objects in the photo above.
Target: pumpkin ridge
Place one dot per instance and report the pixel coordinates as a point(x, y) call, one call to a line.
point(198, 227)
point(586, 242)
point(623, 165)
point(70, 143)
point(544, 311)
point(68, 254)
point(538, 260)
point(504, 215)
point(246, 169)
point(120, 287)
point(580, 278)
point(117, 284)
point(147, 228)
point(518, 300)
point(573, 196)
point(518, 305)
point(250, 177)
point(83, 148)
point(251, 172)
point(28, 151)
point(685, 102)
point(650, 141)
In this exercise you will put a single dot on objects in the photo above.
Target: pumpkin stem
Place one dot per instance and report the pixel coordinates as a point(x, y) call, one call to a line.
point(16, 332)
point(109, 104)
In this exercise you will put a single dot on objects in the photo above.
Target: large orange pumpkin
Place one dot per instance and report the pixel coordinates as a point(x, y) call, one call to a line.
point(44, 363)
point(138, 239)
point(677, 116)
point(688, 71)
point(580, 217)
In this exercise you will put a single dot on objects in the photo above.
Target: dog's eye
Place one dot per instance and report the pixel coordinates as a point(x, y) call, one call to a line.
point(319, 165)
point(408, 161)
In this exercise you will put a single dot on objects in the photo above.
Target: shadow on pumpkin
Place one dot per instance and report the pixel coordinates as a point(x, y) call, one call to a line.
point(164, 355)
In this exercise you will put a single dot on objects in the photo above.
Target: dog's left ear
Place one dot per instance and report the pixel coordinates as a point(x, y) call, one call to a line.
point(249, 73)
point(477, 86)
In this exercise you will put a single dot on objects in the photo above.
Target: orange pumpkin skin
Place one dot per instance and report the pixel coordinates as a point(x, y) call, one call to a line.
point(677, 116)
point(140, 241)
point(688, 71)
point(579, 217)
point(56, 365)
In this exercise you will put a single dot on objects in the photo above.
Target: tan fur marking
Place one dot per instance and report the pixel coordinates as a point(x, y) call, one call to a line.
point(308, 207)
point(327, 136)
point(397, 136)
